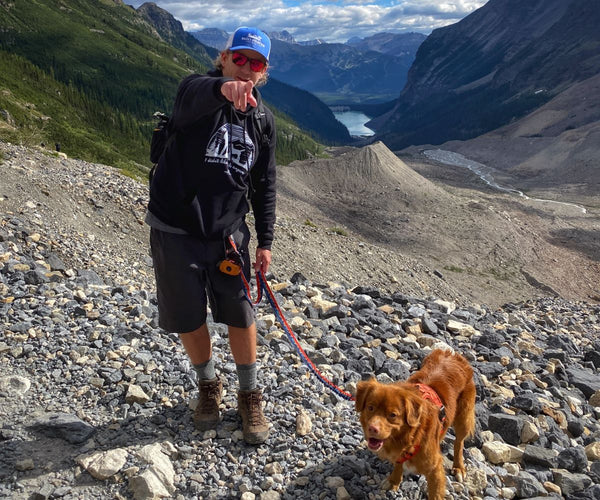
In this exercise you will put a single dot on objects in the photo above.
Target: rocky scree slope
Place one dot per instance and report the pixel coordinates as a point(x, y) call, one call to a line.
point(95, 398)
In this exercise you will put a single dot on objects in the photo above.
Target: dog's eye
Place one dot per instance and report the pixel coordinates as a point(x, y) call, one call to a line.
point(393, 415)
point(370, 407)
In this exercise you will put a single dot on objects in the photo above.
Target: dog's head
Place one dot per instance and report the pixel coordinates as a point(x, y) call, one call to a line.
point(387, 412)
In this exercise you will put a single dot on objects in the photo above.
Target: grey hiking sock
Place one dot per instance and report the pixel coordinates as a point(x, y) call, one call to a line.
point(206, 370)
point(247, 376)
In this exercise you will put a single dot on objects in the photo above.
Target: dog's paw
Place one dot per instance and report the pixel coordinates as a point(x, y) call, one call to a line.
point(460, 474)
point(388, 485)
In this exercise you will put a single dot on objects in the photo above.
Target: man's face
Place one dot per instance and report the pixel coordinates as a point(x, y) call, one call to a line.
point(243, 72)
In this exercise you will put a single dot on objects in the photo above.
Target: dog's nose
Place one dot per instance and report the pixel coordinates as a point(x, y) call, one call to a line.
point(374, 429)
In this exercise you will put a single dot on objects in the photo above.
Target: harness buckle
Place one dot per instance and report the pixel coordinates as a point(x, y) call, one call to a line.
point(442, 413)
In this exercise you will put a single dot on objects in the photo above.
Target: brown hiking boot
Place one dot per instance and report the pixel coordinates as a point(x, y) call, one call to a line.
point(206, 415)
point(254, 424)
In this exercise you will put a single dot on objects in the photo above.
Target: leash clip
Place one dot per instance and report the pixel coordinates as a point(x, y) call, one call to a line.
point(232, 263)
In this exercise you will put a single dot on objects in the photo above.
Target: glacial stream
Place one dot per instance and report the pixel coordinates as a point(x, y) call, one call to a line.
point(485, 173)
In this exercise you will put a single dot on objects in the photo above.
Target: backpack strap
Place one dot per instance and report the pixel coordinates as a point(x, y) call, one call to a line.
point(260, 118)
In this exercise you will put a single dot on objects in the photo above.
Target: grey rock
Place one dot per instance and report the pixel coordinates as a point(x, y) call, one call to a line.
point(573, 459)
point(570, 483)
point(64, 426)
point(544, 457)
point(509, 427)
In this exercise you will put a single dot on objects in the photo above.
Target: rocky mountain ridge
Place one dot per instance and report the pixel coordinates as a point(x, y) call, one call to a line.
point(497, 64)
point(553, 148)
point(171, 31)
point(95, 398)
point(352, 65)
point(307, 111)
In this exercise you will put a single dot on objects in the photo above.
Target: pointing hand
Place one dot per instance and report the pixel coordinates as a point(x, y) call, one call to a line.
point(239, 93)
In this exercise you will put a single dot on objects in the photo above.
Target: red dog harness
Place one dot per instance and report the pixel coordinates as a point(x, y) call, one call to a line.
point(428, 393)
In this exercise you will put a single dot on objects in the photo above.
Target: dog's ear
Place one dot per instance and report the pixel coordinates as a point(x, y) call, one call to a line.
point(413, 412)
point(363, 389)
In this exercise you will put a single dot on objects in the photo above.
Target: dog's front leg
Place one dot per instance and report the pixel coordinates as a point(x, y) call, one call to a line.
point(395, 478)
point(436, 483)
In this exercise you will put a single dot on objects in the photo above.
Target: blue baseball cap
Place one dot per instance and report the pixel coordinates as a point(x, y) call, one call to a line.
point(250, 38)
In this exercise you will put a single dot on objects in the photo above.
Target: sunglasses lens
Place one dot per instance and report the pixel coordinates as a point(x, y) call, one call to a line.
point(239, 59)
point(256, 65)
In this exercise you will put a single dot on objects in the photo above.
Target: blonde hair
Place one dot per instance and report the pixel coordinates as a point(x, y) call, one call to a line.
point(219, 66)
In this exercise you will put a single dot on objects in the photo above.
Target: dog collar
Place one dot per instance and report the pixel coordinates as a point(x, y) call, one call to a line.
point(409, 454)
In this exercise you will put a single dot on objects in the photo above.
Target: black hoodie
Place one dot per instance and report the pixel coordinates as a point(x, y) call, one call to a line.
point(216, 162)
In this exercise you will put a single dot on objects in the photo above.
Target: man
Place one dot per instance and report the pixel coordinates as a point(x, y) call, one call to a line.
point(222, 156)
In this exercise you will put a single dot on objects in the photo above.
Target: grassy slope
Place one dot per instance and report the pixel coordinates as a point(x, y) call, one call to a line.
point(89, 74)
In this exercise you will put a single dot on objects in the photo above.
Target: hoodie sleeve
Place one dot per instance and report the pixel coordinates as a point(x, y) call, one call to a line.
point(264, 180)
point(197, 96)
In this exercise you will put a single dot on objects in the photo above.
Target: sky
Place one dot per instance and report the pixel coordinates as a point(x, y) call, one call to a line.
point(328, 20)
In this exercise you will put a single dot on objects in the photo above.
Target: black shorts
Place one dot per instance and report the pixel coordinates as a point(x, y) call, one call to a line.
point(188, 277)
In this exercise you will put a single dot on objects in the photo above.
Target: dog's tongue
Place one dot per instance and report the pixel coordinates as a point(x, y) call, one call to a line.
point(375, 444)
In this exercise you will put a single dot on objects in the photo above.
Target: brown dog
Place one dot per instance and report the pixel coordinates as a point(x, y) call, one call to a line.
point(405, 422)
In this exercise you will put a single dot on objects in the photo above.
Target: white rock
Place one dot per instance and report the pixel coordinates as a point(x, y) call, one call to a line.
point(273, 468)
point(135, 394)
point(147, 486)
point(103, 464)
point(461, 328)
point(303, 424)
point(592, 451)
point(529, 433)
point(14, 385)
point(445, 306)
point(475, 481)
point(160, 465)
point(498, 452)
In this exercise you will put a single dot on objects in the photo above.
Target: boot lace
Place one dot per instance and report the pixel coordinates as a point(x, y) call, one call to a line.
point(209, 395)
point(255, 414)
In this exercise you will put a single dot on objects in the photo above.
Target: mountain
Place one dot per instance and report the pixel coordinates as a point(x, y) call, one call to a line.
point(89, 75)
point(211, 37)
point(308, 112)
point(555, 146)
point(284, 36)
point(389, 43)
point(338, 73)
point(366, 71)
point(496, 65)
point(171, 31)
point(479, 239)
point(303, 108)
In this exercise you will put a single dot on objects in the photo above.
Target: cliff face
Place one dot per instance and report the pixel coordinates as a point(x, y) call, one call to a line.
point(501, 62)
point(171, 31)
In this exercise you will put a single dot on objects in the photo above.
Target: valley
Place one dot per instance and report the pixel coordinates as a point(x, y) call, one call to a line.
point(492, 246)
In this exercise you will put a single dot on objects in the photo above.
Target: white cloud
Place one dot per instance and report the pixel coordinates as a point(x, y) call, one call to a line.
point(332, 21)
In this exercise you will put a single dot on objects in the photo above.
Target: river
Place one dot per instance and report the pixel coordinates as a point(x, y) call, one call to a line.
point(354, 121)
point(485, 173)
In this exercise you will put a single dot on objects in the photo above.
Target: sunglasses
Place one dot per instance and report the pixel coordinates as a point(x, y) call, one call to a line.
point(256, 65)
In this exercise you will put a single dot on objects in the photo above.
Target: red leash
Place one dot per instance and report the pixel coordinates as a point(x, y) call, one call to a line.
point(262, 285)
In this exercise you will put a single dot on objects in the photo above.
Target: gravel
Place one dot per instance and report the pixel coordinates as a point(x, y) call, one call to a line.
point(95, 399)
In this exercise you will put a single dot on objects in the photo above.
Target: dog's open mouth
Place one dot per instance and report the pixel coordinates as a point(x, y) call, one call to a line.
point(374, 444)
